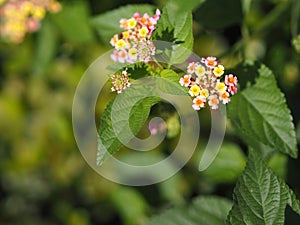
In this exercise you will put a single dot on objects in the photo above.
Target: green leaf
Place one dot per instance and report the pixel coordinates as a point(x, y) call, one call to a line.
point(170, 83)
point(178, 26)
point(108, 24)
point(73, 22)
point(278, 163)
point(259, 196)
point(131, 213)
point(228, 165)
point(47, 41)
point(139, 112)
point(260, 115)
point(202, 211)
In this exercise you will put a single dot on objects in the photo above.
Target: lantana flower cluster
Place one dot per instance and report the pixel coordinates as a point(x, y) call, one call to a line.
point(205, 86)
point(120, 82)
point(19, 17)
point(134, 43)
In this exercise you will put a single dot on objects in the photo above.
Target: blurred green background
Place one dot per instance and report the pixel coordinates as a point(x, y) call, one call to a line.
point(43, 178)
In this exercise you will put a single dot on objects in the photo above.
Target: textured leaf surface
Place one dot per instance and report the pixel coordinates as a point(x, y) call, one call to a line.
point(108, 24)
point(203, 211)
point(260, 197)
point(180, 27)
point(139, 112)
point(169, 83)
point(260, 115)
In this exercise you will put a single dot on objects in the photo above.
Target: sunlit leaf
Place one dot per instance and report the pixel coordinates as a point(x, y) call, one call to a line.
point(260, 115)
point(179, 27)
point(139, 112)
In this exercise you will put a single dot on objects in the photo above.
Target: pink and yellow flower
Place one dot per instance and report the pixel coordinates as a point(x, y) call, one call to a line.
point(225, 97)
point(204, 82)
point(191, 67)
point(218, 70)
point(221, 87)
point(135, 39)
point(20, 17)
point(213, 101)
point(120, 82)
point(199, 102)
point(200, 70)
point(210, 61)
point(194, 90)
point(185, 81)
point(231, 80)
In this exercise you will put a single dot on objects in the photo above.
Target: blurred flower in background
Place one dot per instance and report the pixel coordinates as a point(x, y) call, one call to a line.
point(20, 17)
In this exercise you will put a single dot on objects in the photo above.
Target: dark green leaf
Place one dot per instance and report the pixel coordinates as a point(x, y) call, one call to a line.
point(46, 47)
point(260, 115)
point(203, 211)
point(260, 197)
point(138, 113)
point(133, 212)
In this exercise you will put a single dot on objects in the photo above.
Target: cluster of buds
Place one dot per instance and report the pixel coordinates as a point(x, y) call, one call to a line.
point(134, 44)
point(120, 82)
point(204, 82)
point(19, 17)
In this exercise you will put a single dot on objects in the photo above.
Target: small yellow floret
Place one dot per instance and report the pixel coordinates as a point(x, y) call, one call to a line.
point(221, 87)
point(38, 12)
point(219, 70)
point(27, 7)
point(125, 35)
point(200, 70)
point(204, 93)
point(120, 44)
point(194, 90)
point(131, 23)
point(132, 52)
point(143, 32)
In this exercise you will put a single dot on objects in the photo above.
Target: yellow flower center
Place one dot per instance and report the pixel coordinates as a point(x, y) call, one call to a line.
point(219, 71)
point(132, 52)
point(120, 44)
point(131, 23)
point(200, 71)
point(204, 93)
point(221, 87)
point(38, 12)
point(125, 35)
point(143, 32)
point(195, 90)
